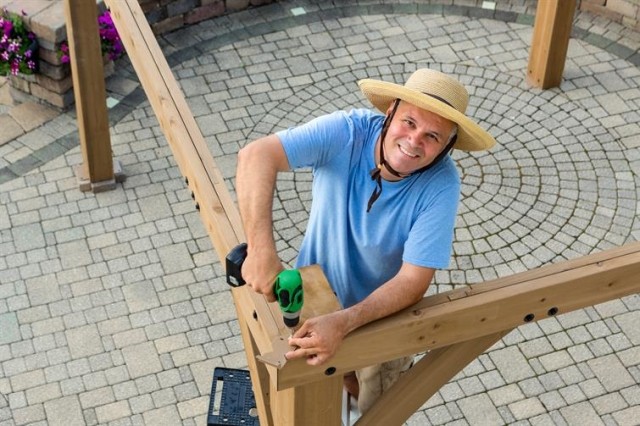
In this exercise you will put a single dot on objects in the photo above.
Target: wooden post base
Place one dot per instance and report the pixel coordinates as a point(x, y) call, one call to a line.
point(85, 184)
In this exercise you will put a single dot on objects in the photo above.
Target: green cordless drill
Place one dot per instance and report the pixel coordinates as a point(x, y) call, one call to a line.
point(287, 288)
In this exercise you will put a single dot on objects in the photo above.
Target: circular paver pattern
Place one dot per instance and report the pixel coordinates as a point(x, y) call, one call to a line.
point(548, 191)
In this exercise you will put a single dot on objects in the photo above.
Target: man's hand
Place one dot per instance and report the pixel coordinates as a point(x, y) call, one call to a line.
point(319, 338)
point(260, 271)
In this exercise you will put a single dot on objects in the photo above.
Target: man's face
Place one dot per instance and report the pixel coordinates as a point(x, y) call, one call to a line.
point(414, 139)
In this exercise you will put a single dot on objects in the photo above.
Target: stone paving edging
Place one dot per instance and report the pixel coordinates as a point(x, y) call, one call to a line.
point(198, 47)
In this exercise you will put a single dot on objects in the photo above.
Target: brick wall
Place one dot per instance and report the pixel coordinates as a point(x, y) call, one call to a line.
point(53, 84)
point(625, 12)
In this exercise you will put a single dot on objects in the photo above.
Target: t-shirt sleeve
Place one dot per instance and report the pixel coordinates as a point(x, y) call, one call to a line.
point(316, 142)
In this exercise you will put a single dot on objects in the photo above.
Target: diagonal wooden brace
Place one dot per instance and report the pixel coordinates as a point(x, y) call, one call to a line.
point(424, 379)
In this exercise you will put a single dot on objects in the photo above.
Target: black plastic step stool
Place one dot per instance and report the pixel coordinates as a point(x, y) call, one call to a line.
point(232, 402)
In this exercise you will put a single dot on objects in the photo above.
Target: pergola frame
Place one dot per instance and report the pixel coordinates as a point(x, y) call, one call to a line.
point(453, 327)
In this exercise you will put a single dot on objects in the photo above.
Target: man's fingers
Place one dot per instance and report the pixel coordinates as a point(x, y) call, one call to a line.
point(298, 353)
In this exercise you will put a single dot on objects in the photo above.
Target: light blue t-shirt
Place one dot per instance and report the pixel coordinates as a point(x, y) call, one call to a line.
point(412, 221)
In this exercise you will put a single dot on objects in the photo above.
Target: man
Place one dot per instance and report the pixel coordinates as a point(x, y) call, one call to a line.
point(385, 196)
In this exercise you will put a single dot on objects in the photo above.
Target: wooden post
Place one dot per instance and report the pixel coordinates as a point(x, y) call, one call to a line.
point(98, 171)
point(551, 32)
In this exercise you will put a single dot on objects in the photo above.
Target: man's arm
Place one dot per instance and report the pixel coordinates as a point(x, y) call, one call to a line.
point(319, 338)
point(258, 165)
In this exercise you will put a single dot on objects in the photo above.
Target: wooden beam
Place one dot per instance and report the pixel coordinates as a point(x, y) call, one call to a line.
point(484, 309)
point(551, 32)
point(214, 202)
point(424, 379)
point(260, 323)
point(87, 70)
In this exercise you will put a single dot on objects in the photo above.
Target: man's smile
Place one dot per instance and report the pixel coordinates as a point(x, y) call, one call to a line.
point(407, 152)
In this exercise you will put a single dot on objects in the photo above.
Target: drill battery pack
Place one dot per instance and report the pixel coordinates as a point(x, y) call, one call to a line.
point(232, 401)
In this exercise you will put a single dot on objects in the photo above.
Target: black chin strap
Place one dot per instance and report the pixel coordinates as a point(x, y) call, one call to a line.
point(376, 172)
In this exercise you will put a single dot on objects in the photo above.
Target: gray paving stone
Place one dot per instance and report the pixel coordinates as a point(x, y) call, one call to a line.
point(511, 364)
point(611, 373)
point(167, 415)
point(478, 409)
point(28, 415)
point(582, 413)
point(526, 408)
point(141, 359)
point(116, 410)
point(175, 258)
point(556, 360)
point(29, 379)
point(96, 397)
point(74, 254)
point(572, 394)
point(154, 207)
point(193, 408)
point(84, 341)
point(140, 296)
point(628, 323)
point(10, 328)
point(28, 237)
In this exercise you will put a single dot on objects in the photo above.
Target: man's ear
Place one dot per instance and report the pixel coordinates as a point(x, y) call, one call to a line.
point(391, 107)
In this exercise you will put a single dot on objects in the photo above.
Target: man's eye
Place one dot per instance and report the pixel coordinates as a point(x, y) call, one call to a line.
point(433, 138)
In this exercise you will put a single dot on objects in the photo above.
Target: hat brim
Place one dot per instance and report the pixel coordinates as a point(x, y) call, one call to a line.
point(471, 137)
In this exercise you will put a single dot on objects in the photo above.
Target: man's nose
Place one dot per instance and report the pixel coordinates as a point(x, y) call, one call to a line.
point(413, 139)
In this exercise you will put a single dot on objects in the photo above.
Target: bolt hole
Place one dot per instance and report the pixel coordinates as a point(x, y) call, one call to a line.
point(186, 180)
point(198, 206)
point(553, 311)
point(529, 317)
point(329, 371)
point(255, 315)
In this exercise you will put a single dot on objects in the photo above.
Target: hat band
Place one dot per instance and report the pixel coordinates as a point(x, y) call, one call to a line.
point(438, 98)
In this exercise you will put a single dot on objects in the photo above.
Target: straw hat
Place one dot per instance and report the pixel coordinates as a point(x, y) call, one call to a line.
point(436, 92)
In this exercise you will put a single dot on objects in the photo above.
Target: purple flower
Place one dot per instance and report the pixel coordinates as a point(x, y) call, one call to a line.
point(8, 27)
point(15, 56)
